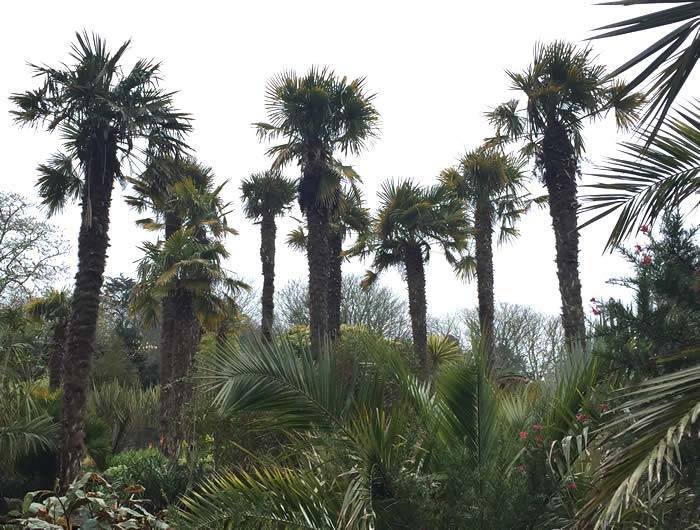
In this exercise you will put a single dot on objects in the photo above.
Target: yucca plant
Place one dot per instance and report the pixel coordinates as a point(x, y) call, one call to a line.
point(105, 113)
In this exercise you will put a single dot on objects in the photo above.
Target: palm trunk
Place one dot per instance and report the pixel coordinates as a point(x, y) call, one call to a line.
point(268, 232)
point(560, 173)
point(186, 334)
point(317, 251)
point(484, 279)
point(166, 346)
point(335, 284)
point(58, 346)
point(167, 337)
point(417, 306)
point(93, 241)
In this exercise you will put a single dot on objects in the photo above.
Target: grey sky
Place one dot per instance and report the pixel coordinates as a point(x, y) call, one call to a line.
point(436, 67)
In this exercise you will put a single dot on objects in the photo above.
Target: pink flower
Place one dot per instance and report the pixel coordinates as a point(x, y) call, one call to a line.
point(539, 440)
point(596, 310)
point(604, 407)
point(581, 417)
point(646, 260)
point(644, 229)
point(637, 249)
point(537, 427)
point(523, 435)
point(571, 485)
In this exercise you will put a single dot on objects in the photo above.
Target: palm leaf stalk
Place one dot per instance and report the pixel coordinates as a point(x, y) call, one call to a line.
point(657, 174)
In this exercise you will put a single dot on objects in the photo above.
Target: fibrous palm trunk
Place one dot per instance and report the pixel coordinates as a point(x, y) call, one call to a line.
point(484, 280)
point(560, 173)
point(93, 240)
point(317, 251)
point(335, 284)
point(417, 306)
point(58, 346)
point(268, 231)
point(166, 345)
point(186, 335)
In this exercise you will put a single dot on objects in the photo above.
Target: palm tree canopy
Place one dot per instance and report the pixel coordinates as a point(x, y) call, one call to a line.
point(414, 217)
point(95, 96)
point(185, 262)
point(267, 193)
point(658, 174)
point(153, 189)
point(490, 177)
point(53, 306)
point(564, 85)
point(670, 62)
point(317, 115)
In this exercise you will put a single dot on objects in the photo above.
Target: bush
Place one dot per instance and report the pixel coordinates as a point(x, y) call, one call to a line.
point(90, 502)
point(163, 481)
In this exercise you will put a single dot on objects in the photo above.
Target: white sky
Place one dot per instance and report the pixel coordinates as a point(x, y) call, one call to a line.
point(436, 67)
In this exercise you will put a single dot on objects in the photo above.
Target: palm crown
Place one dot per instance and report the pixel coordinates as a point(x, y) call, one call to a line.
point(413, 217)
point(490, 177)
point(54, 306)
point(317, 114)
point(564, 85)
point(93, 97)
point(267, 193)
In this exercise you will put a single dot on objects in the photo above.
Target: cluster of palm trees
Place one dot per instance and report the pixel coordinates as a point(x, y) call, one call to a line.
point(110, 117)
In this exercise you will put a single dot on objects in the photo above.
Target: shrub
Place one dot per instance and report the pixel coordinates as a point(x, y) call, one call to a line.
point(163, 481)
point(90, 502)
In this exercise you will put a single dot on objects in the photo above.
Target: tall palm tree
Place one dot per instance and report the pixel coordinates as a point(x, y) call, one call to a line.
point(411, 219)
point(179, 276)
point(492, 186)
point(350, 216)
point(266, 196)
point(103, 113)
point(54, 308)
point(318, 115)
point(564, 86)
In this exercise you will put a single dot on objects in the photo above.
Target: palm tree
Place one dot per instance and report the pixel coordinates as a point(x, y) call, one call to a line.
point(102, 112)
point(266, 196)
point(492, 186)
point(411, 219)
point(54, 308)
point(181, 276)
point(349, 216)
point(318, 115)
point(564, 86)
point(154, 191)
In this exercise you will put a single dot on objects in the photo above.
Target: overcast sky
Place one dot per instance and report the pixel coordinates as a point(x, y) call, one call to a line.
point(435, 66)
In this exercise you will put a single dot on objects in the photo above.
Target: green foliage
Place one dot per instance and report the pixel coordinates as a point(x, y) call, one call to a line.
point(660, 330)
point(163, 481)
point(90, 502)
point(414, 217)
